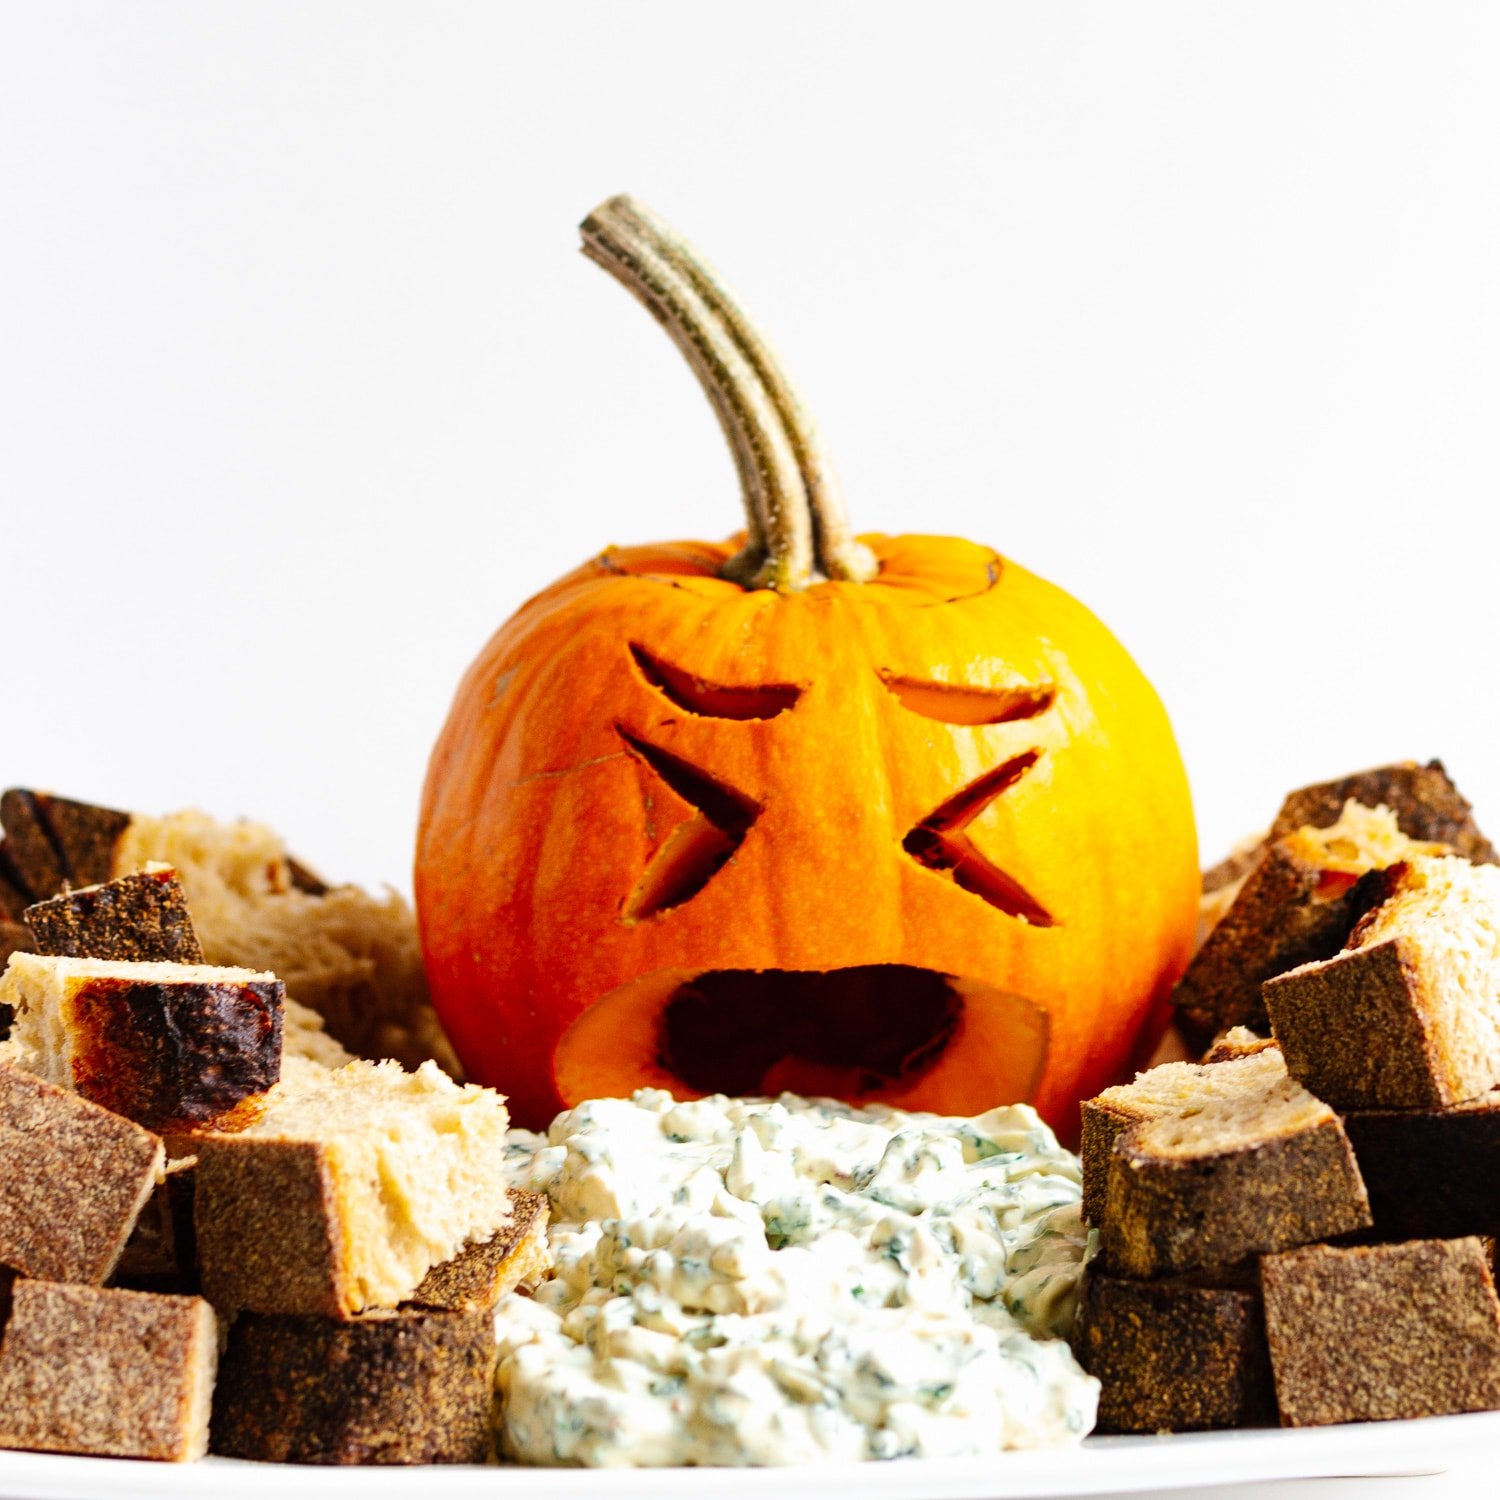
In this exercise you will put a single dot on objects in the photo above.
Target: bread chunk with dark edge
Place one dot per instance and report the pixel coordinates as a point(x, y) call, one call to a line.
point(140, 918)
point(1237, 1042)
point(350, 1187)
point(74, 1180)
point(1424, 799)
point(1373, 1333)
point(1408, 1015)
point(409, 1387)
point(1299, 902)
point(116, 1374)
point(160, 1255)
point(1252, 1171)
point(1170, 1089)
point(1180, 1355)
point(174, 1047)
point(482, 1273)
point(1431, 1173)
point(52, 842)
point(352, 955)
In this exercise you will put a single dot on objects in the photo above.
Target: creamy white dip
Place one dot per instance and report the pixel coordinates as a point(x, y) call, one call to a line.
point(788, 1281)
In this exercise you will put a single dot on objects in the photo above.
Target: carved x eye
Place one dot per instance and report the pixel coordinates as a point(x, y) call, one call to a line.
point(940, 843)
point(695, 696)
point(952, 703)
point(700, 846)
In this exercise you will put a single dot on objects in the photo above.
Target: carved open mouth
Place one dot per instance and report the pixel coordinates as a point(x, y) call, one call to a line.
point(873, 1031)
point(849, 1031)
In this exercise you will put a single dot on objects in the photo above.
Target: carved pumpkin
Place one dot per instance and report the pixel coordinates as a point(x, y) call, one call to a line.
point(882, 819)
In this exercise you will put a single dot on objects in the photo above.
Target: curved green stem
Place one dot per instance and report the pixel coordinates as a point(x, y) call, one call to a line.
point(797, 528)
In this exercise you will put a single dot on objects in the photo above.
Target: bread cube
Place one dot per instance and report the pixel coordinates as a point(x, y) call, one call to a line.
point(1408, 1015)
point(119, 1374)
point(1371, 1333)
point(174, 1047)
point(74, 1181)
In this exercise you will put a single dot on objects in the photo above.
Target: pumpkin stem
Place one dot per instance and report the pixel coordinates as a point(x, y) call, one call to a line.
point(797, 530)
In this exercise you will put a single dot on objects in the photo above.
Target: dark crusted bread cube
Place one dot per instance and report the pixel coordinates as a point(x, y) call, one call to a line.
point(160, 1255)
point(1298, 903)
point(1431, 1172)
point(1408, 1015)
point(351, 955)
point(74, 1180)
point(409, 1387)
point(1179, 1355)
point(52, 842)
point(142, 918)
point(120, 1374)
point(1255, 1164)
point(1170, 1089)
point(1424, 799)
point(1370, 1333)
point(481, 1274)
point(175, 1047)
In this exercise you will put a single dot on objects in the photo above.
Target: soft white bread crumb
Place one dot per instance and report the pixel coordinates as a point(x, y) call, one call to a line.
point(305, 1038)
point(351, 955)
point(407, 1169)
point(1450, 909)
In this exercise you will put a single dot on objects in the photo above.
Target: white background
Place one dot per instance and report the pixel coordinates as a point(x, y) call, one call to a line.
point(1194, 309)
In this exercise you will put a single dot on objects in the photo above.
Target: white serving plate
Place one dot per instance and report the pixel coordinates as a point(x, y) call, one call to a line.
point(1103, 1466)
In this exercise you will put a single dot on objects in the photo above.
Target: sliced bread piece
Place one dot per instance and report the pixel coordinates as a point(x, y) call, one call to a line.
point(1424, 799)
point(51, 842)
point(1238, 1041)
point(1408, 1015)
point(74, 1181)
point(160, 1256)
point(1298, 903)
point(142, 918)
point(1371, 1333)
point(348, 1189)
point(1171, 1089)
point(118, 1374)
point(174, 1047)
point(1431, 1173)
point(351, 955)
point(481, 1274)
point(1256, 1165)
point(408, 1387)
point(1180, 1355)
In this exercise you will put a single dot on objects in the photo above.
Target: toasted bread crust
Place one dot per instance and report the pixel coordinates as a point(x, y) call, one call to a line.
point(1431, 1173)
point(1103, 1123)
point(1165, 1215)
point(1379, 1332)
point(139, 918)
point(1175, 1355)
point(1376, 994)
point(123, 1374)
point(1286, 914)
point(55, 842)
point(160, 1255)
point(266, 1220)
point(481, 1274)
point(75, 1180)
point(394, 1388)
point(178, 1057)
point(1425, 801)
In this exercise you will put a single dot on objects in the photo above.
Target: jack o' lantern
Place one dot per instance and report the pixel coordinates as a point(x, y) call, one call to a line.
point(887, 818)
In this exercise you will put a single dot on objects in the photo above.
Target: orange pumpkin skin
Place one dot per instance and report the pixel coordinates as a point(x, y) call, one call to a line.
point(541, 816)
